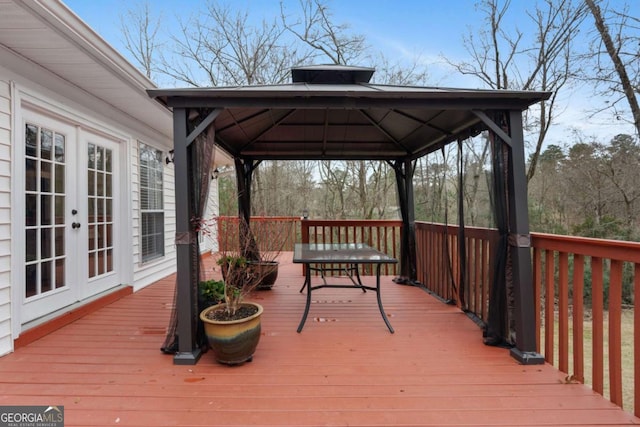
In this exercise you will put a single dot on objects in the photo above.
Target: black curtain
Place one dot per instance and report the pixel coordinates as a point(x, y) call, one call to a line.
point(498, 330)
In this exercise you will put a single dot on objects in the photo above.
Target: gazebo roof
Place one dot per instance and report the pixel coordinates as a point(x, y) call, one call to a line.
point(333, 112)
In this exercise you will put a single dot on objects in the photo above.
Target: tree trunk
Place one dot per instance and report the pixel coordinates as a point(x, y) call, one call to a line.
point(627, 87)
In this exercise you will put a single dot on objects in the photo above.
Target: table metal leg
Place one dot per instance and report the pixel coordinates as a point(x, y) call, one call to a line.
point(384, 315)
point(307, 281)
point(358, 277)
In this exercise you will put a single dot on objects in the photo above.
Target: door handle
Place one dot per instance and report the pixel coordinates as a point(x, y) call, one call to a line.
point(75, 225)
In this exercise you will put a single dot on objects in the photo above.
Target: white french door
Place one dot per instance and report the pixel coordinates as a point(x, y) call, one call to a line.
point(70, 215)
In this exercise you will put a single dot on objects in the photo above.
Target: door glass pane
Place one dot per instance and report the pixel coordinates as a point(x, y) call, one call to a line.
point(91, 153)
point(31, 245)
point(100, 228)
point(46, 144)
point(31, 210)
point(60, 147)
point(101, 262)
point(100, 158)
point(108, 189)
point(47, 277)
point(45, 210)
point(45, 177)
point(92, 209)
point(91, 183)
point(107, 161)
point(100, 184)
point(109, 235)
point(59, 178)
point(59, 209)
point(31, 140)
point(59, 241)
point(92, 264)
point(31, 280)
point(110, 260)
point(46, 243)
point(31, 175)
point(92, 237)
point(60, 276)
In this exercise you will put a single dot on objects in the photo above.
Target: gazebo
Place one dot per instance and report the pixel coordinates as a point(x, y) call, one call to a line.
point(335, 113)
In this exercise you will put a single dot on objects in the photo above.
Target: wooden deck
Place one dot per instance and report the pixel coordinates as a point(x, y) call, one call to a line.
point(345, 368)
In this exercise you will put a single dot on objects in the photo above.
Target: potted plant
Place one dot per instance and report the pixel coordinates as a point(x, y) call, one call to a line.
point(233, 326)
point(264, 242)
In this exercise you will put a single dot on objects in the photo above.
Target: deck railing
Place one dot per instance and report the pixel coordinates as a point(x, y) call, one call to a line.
point(584, 324)
point(383, 235)
point(585, 328)
point(439, 267)
point(271, 232)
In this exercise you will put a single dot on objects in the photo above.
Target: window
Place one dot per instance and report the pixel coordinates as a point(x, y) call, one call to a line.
point(151, 204)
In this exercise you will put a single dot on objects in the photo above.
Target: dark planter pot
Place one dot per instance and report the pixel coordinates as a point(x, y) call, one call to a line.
point(267, 271)
point(233, 342)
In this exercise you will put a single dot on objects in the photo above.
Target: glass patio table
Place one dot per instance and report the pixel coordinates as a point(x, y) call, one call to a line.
point(320, 257)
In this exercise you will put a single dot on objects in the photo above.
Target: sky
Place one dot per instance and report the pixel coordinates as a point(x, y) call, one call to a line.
point(402, 29)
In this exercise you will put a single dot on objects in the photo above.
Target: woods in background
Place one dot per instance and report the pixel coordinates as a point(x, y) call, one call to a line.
point(580, 185)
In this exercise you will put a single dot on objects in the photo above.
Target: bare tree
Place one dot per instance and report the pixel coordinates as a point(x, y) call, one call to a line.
point(620, 165)
point(223, 46)
point(475, 157)
point(220, 47)
point(399, 73)
point(334, 180)
point(622, 75)
point(140, 32)
point(509, 60)
point(547, 204)
point(316, 29)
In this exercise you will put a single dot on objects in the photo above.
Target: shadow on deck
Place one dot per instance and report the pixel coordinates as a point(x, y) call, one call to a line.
point(345, 368)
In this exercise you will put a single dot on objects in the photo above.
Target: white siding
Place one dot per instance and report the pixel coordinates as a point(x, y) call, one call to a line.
point(211, 241)
point(6, 342)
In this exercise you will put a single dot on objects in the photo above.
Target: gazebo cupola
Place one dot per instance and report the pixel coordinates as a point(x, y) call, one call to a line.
point(331, 74)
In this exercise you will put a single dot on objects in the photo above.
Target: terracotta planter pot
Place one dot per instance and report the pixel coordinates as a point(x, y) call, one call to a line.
point(232, 342)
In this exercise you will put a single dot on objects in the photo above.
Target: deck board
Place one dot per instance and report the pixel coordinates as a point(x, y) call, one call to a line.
point(345, 368)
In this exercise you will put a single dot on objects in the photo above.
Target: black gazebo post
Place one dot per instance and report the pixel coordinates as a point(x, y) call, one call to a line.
point(520, 248)
point(188, 350)
point(244, 174)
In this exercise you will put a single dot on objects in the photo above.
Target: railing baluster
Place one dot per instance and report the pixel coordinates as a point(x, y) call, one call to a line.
point(478, 276)
point(549, 310)
point(636, 341)
point(578, 317)
point(615, 332)
point(597, 309)
point(563, 312)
